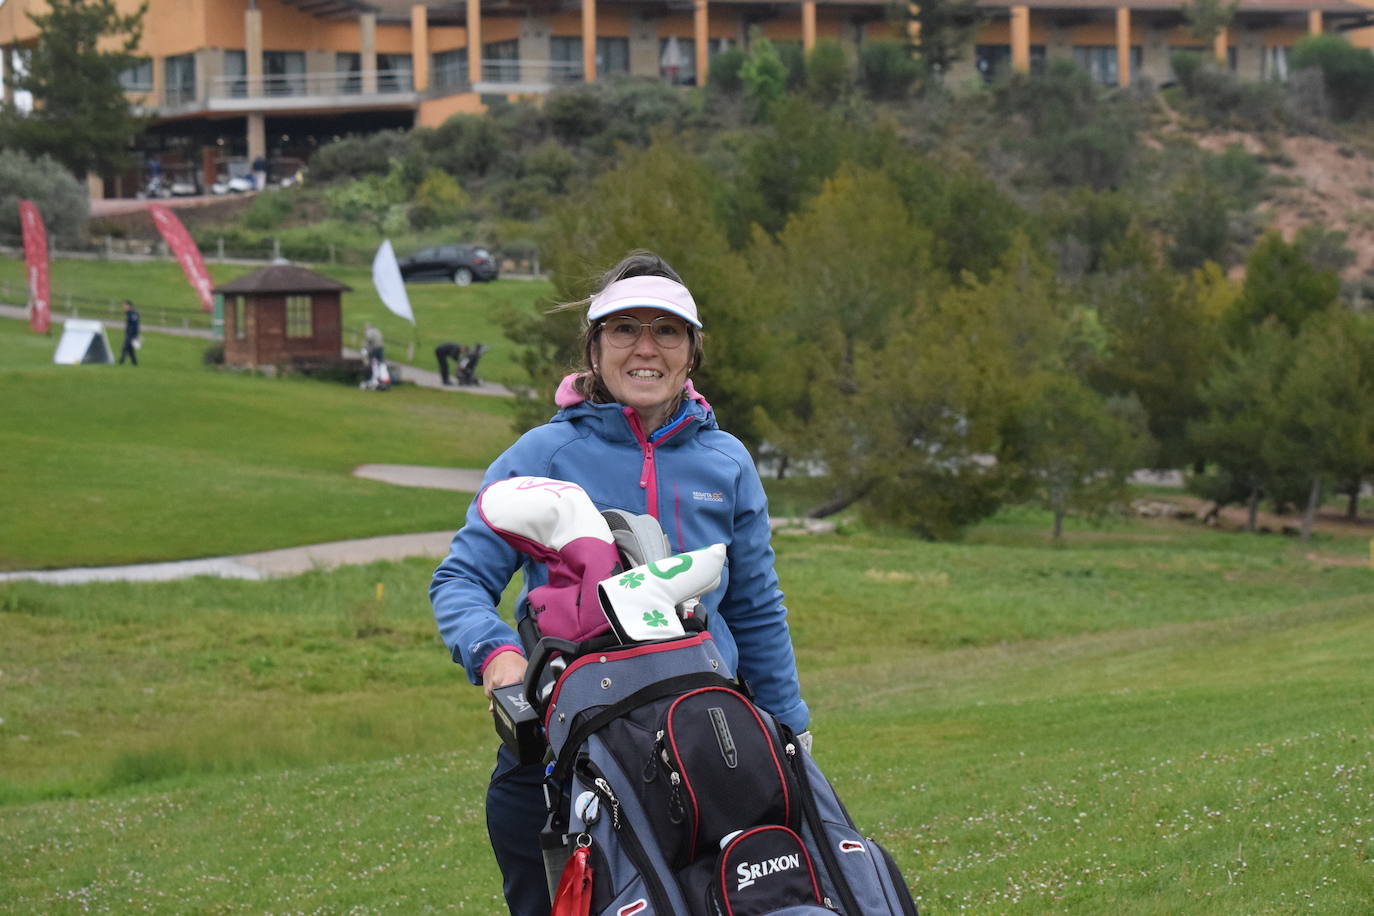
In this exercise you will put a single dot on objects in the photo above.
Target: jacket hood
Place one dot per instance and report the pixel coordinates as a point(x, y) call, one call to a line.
point(572, 404)
point(567, 396)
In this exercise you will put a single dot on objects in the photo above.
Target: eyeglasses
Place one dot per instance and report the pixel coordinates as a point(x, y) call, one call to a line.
point(622, 332)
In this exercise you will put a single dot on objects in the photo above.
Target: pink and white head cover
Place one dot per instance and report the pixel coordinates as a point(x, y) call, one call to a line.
point(556, 522)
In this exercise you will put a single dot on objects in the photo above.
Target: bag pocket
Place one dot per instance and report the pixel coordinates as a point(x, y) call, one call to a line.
point(766, 870)
point(723, 770)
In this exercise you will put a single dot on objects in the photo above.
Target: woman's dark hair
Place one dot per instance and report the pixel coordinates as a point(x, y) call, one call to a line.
point(638, 263)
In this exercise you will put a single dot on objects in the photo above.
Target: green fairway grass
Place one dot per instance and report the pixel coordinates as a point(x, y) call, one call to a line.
point(1150, 716)
point(443, 312)
point(110, 464)
point(1184, 726)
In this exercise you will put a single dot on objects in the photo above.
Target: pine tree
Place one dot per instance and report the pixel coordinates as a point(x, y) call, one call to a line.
point(80, 114)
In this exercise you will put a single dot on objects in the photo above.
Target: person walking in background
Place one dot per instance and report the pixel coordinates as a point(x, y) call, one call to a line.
point(131, 333)
point(260, 173)
point(445, 352)
point(374, 356)
point(633, 432)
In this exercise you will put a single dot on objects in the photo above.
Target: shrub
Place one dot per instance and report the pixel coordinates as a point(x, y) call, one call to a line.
point(764, 75)
point(466, 146)
point(886, 70)
point(553, 162)
point(267, 211)
point(1347, 71)
point(828, 76)
point(438, 200)
point(60, 198)
point(725, 71)
point(577, 112)
point(794, 59)
point(354, 157)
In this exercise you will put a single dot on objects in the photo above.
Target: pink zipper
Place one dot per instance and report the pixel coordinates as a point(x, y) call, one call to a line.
point(648, 474)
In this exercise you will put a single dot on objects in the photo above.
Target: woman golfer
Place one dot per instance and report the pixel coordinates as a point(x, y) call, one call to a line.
point(633, 432)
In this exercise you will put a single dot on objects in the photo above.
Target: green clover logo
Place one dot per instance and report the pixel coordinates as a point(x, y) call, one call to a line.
point(655, 619)
point(631, 580)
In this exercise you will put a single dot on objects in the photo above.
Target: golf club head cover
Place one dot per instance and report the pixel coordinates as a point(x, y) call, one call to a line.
point(641, 603)
point(556, 523)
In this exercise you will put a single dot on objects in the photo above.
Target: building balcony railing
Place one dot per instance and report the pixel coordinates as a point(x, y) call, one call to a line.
point(527, 75)
point(300, 85)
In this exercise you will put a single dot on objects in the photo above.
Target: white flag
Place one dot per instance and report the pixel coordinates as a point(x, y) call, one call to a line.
point(386, 277)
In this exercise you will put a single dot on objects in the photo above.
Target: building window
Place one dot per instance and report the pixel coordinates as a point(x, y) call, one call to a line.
point(677, 60)
point(283, 73)
point(1100, 61)
point(994, 61)
point(394, 73)
point(449, 69)
point(179, 74)
point(298, 323)
point(613, 55)
point(1274, 63)
point(138, 78)
point(501, 61)
point(235, 80)
point(348, 66)
point(566, 57)
point(240, 317)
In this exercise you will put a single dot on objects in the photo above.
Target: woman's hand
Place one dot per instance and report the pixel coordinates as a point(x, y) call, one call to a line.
point(506, 668)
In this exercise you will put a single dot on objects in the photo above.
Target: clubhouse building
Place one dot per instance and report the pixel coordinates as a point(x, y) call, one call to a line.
point(228, 81)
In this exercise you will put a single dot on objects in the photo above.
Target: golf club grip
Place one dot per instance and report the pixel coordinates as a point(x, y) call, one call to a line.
point(543, 653)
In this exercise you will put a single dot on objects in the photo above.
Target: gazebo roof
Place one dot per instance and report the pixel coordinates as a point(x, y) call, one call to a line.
point(282, 278)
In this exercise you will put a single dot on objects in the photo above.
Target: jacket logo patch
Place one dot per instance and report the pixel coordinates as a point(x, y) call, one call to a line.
point(705, 496)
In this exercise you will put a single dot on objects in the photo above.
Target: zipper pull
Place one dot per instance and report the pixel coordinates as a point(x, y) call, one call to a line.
point(648, 466)
point(604, 789)
point(677, 810)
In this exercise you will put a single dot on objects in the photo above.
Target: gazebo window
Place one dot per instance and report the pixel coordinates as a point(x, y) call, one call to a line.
point(298, 322)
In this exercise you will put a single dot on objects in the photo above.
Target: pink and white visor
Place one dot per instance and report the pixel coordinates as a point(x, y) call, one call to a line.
point(645, 292)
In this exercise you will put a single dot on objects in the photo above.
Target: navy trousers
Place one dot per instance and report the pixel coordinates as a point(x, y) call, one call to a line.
point(515, 816)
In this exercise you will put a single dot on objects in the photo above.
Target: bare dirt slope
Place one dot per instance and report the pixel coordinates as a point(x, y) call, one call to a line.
point(1321, 182)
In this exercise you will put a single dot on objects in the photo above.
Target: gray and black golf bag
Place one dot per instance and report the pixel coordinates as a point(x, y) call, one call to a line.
point(683, 797)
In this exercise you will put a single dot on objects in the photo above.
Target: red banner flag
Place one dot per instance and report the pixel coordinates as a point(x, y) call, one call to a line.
point(184, 249)
point(36, 265)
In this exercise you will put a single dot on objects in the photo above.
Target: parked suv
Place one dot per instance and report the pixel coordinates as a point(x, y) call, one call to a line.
point(460, 263)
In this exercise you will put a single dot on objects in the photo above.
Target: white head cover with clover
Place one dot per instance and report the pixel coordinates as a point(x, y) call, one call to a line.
point(641, 603)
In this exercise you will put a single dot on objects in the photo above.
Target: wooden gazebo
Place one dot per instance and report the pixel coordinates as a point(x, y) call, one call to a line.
point(283, 315)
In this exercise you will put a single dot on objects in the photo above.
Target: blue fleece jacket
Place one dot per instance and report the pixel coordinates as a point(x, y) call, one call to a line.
point(696, 479)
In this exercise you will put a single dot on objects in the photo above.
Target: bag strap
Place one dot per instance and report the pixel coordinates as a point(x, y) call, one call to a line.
point(655, 691)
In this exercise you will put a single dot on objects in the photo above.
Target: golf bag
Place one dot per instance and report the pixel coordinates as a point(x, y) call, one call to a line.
point(669, 792)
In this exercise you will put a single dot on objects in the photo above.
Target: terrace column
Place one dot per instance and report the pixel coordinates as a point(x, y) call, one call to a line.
point(257, 136)
point(1123, 46)
point(367, 48)
point(1314, 22)
point(701, 37)
point(1219, 46)
point(7, 84)
point(1020, 39)
point(808, 25)
point(252, 49)
point(589, 40)
point(474, 41)
point(419, 46)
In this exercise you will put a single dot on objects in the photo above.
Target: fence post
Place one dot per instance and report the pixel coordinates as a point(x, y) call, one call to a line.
point(331, 253)
point(221, 248)
point(109, 247)
point(276, 248)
